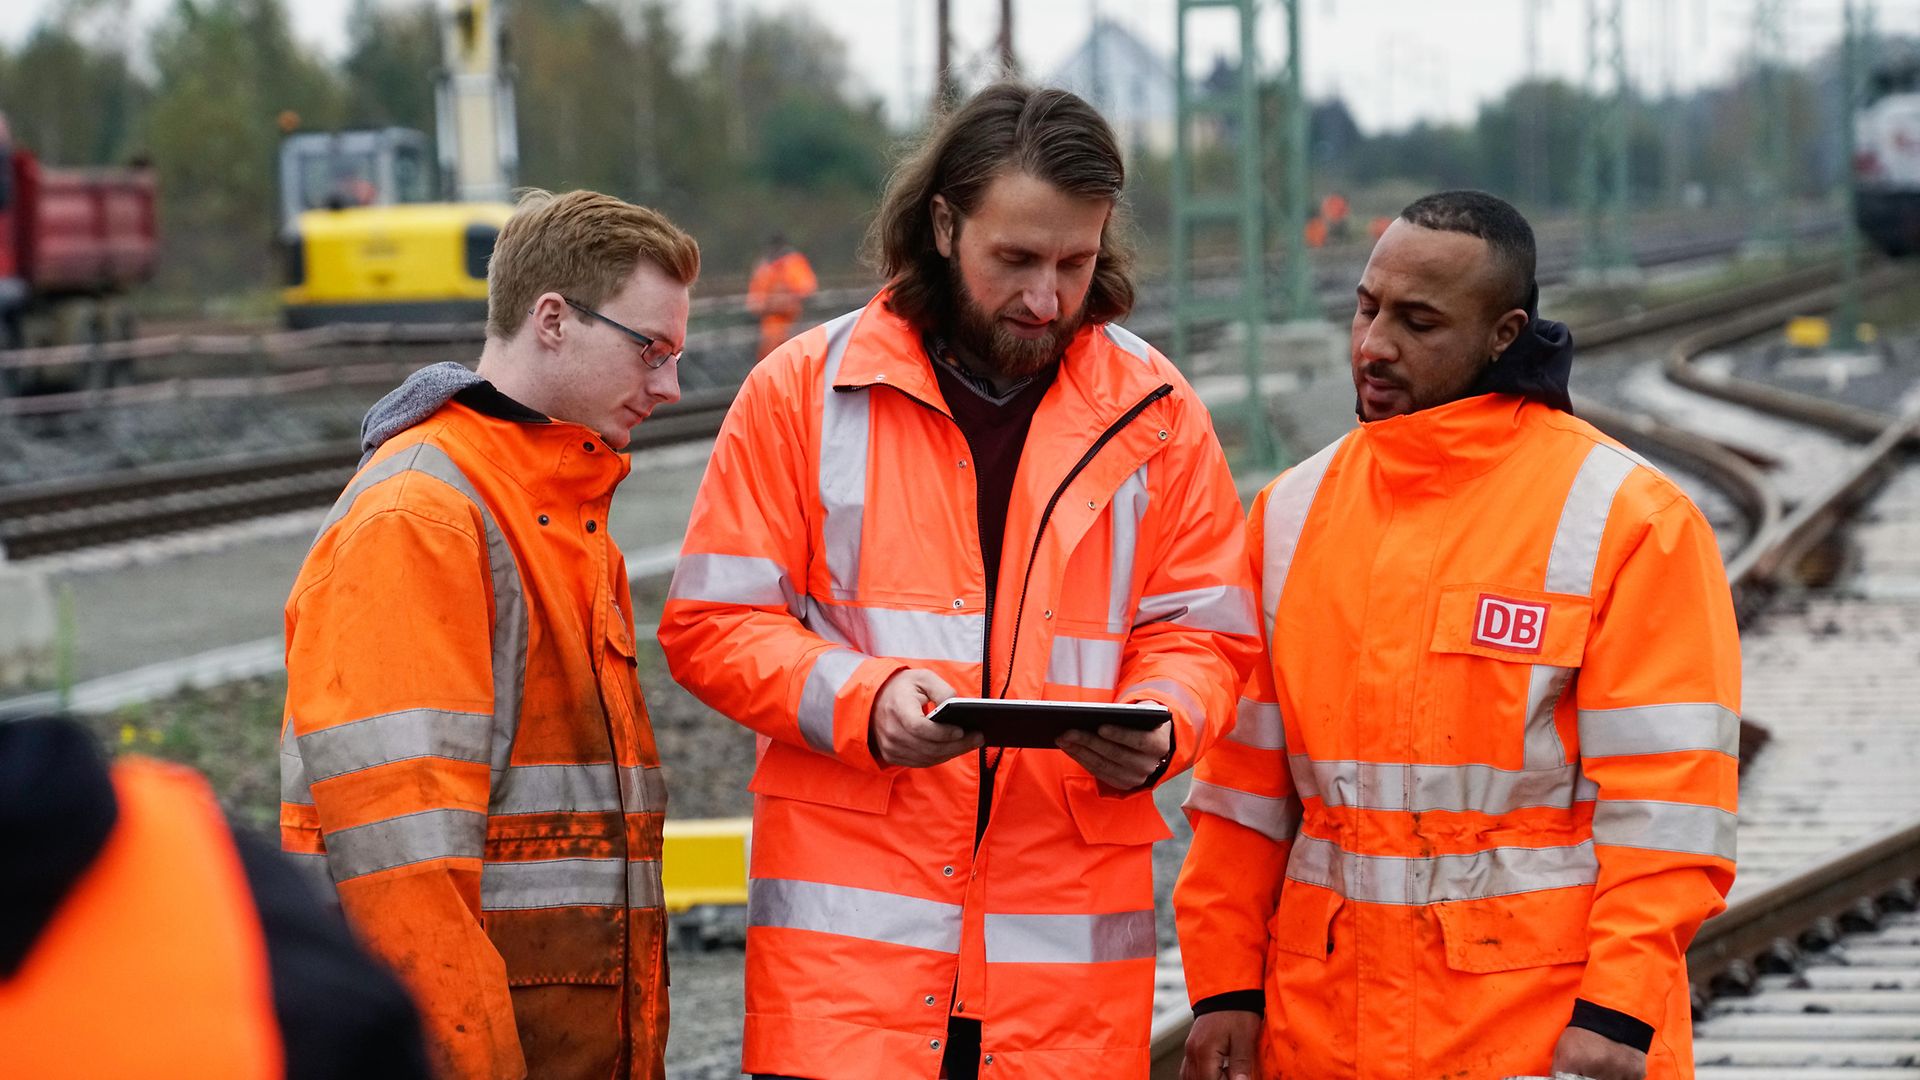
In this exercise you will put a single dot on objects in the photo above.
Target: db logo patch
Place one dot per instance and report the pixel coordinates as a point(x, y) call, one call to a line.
point(1513, 625)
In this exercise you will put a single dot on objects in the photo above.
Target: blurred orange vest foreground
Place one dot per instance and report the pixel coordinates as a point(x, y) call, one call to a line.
point(777, 293)
point(1493, 757)
point(467, 755)
point(155, 966)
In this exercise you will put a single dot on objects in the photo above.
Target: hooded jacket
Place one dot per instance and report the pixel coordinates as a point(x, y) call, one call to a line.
point(467, 758)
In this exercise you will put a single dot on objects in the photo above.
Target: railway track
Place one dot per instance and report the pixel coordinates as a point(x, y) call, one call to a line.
point(55, 517)
point(1813, 972)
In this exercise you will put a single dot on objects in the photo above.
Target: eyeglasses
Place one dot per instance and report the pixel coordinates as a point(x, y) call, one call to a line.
point(653, 353)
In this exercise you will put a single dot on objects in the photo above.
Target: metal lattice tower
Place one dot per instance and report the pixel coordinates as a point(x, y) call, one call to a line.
point(1238, 118)
point(1772, 170)
point(1603, 147)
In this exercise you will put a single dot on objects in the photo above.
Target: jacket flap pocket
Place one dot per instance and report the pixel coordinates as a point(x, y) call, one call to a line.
point(1523, 930)
point(1117, 819)
point(1523, 626)
point(1303, 921)
point(788, 772)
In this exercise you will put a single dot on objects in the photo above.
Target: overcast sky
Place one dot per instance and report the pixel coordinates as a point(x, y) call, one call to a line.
point(1394, 61)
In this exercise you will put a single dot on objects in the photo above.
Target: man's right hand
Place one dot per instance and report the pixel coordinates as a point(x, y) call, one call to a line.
point(901, 734)
point(1223, 1046)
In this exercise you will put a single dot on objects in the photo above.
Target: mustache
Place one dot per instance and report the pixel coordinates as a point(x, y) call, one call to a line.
point(1380, 372)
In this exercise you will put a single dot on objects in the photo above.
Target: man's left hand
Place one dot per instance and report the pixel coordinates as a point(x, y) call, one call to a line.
point(1589, 1053)
point(1116, 756)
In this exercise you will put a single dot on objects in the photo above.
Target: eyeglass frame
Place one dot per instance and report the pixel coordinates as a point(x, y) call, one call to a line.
point(646, 343)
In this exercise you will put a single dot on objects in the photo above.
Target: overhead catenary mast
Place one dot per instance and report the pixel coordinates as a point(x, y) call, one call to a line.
point(478, 144)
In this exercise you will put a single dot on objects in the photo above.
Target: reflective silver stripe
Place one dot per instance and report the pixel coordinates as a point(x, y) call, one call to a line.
point(1070, 939)
point(1260, 725)
point(1659, 729)
point(1541, 747)
point(867, 914)
point(1386, 879)
point(1570, 569)
point(1481, 789)
point(312, 867)
point(396, 736)
point(1276, 819)
point(909, 635)
point(1128, 340)
point(409, 838)
point(1287, 505)
point(643, 884)
point(1128, 509)
point(1092, 663)
point(844, 437)
point(553, 883)
point(1224, 609)
point(295, 788)
point(733, 579)
point(1182, 697)
point(1665, 826)
point(578, 789)
point(830, 671)
point(509, 602)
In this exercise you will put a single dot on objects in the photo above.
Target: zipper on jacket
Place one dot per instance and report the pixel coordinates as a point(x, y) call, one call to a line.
point(1026, 581)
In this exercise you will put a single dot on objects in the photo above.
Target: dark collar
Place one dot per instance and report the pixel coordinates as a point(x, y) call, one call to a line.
point(485, 398)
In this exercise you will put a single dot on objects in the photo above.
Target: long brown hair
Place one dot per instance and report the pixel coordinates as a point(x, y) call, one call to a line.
point(1049, 134)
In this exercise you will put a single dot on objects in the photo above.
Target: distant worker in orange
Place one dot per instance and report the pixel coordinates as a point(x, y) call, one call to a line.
point(467, 757)
point(1481, 792)
point(1334, 209)
point(1316, 232)
point(778, 291)
point(141, 935)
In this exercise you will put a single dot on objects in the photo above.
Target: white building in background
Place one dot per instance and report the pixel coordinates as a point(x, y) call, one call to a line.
point(1130, 83)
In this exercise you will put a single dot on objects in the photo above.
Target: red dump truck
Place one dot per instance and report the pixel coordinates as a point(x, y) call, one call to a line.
point(73, 242)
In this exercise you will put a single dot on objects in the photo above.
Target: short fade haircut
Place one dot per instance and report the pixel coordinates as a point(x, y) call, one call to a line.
point(583, 245)
point(1509, 238)
point(1049, 134)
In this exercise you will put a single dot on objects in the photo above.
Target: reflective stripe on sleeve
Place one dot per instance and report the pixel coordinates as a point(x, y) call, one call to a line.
point(1659, 729)
point(404, 840)
point(396, 736)
point(1196, 716)
point(844, 438)
point(1090, 663)
point(1666, 826)
point(1385, 879)
point(733, 579)
point(1129, 341)
point(1277, 819)
point(1070, 939)
point(593, 788)
point(867, 914)
point(1260, 725)
point(831, 670)
point(1223, 609)
point(1287, 506)
point(295, 788)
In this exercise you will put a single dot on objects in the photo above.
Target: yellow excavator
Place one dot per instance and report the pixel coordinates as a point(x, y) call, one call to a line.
point(372, 231)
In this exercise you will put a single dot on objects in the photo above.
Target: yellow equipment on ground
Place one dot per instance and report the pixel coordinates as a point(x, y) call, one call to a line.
point(705, 863)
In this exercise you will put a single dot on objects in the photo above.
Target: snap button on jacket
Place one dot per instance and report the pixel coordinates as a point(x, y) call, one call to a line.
point(467, 756)
point(1490, 767)
point(834, 542)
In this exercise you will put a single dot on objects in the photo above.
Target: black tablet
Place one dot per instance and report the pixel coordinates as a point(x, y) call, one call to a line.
point(1014, 722)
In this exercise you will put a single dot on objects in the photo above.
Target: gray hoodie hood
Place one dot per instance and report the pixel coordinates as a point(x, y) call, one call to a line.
point(411, 402)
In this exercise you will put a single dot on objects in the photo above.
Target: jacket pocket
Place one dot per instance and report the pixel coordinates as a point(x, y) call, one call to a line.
point(788, 772)
point(1118, 819)
point(1524, 930)
point(1302, 922)
point(1516, 625)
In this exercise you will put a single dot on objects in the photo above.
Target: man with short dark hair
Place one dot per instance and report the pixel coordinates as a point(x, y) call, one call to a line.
point(977, 485)
point(467, 759)
point(1481, 792)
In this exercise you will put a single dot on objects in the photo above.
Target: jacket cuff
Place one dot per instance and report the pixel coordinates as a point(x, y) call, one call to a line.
point(1253, 1001)
point(1618, 1026)
point(855, 745)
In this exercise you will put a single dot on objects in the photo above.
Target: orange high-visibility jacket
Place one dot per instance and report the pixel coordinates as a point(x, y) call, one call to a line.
point(1491, 766)
point(467, 753)
point(780, 286)
point(155, 965)
point(835, 542)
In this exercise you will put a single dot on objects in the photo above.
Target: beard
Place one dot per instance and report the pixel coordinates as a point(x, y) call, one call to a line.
point(982, 336)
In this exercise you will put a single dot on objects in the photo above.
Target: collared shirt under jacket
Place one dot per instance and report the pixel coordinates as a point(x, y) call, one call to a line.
point(835, 541)
point(1485, 785)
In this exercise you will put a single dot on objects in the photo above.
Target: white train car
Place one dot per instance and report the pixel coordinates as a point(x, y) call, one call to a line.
point(1886, 163)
